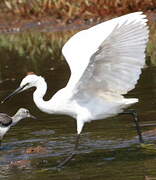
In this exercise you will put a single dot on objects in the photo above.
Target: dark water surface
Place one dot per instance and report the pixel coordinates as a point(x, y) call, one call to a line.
point(109, 149)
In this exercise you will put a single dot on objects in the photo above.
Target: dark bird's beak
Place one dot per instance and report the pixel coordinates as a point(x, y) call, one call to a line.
point(18, 90)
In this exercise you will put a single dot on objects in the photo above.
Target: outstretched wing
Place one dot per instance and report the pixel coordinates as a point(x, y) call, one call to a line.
point(115, 66)
point(5, 120)
point(108, 56)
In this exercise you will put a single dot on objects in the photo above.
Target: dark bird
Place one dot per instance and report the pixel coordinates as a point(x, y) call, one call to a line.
point(7, 121)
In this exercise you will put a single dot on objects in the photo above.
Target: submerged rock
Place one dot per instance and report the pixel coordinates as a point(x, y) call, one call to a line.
point(38, 149)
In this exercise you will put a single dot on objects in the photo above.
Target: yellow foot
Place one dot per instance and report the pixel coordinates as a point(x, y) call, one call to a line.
point(148, 146)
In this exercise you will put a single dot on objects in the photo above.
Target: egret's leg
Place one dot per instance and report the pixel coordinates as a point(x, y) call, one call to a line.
point(73, 153)
point(136, 121)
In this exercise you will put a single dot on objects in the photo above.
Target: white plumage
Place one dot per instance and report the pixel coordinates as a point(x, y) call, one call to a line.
point(105, 62)
point(111, 41)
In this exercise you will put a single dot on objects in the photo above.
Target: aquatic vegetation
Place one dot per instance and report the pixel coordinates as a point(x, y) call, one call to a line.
point(151, 48)
point(41, 51)
point(38, 47)
point(31, 50)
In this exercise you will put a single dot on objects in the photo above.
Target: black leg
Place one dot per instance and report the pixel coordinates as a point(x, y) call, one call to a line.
point(136, 121)
point(73, 153)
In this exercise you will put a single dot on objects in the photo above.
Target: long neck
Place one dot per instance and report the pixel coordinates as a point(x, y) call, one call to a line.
point(16, 118)
point(41, 88)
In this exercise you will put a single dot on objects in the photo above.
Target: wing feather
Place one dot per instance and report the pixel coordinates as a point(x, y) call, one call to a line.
point(5, 120)
point(116, 65)
point(104, 42)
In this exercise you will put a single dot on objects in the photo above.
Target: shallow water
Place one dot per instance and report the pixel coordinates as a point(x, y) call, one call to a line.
point(109, 148)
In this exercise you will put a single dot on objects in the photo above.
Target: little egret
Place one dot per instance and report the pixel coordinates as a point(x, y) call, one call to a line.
point(7, 121)
point(105, 62)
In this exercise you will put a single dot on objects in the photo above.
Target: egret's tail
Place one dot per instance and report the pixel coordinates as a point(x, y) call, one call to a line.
point(130, 101)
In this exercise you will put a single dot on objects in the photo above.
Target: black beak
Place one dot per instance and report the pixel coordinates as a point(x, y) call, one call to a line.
point(18, 90)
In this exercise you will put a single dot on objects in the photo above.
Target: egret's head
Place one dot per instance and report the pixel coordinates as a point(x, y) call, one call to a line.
point(29, 81)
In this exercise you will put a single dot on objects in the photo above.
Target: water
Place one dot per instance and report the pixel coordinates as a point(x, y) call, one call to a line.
point(109, 149)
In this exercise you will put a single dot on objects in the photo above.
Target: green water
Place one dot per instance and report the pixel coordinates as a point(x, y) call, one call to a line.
point(109, 149)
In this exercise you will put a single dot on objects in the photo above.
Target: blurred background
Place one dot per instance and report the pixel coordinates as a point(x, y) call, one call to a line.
point(32, 34)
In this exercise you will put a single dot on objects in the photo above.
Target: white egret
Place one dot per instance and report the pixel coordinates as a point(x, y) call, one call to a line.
point(105, 62)
point(7, 121)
